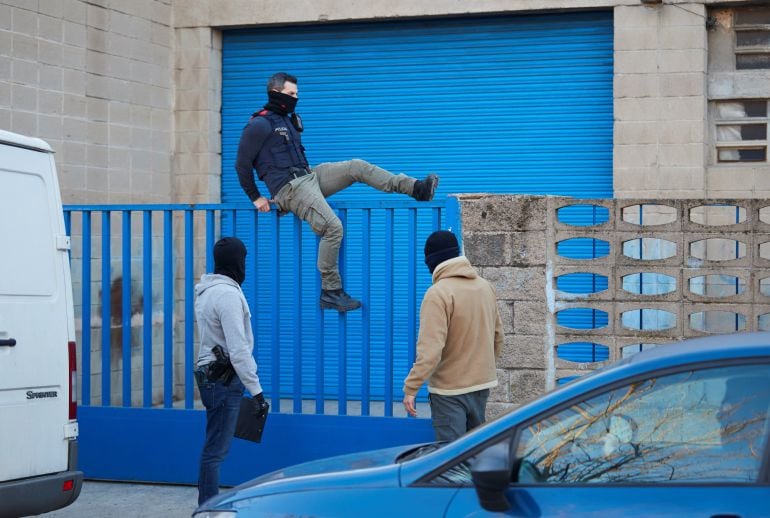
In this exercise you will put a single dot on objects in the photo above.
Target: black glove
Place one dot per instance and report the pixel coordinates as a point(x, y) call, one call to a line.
point(261, 406)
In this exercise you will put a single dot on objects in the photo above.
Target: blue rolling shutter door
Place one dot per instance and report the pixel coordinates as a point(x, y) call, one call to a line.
point(501, 105)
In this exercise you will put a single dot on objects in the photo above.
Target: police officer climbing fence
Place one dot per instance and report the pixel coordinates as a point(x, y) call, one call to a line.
point(271, 145)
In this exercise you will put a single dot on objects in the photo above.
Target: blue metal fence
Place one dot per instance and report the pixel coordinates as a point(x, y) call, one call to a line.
point(134, 270)
point(181, 251)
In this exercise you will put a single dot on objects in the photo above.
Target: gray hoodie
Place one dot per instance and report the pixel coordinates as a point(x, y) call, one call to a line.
point(224, 319)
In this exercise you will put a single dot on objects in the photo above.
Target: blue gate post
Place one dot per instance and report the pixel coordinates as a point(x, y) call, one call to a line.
point(454, 218)
point(106, 323)
point(147, 307)
point(125, 323)
point(85, 318)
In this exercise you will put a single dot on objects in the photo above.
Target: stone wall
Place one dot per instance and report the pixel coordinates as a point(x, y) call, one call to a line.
point(705, 266)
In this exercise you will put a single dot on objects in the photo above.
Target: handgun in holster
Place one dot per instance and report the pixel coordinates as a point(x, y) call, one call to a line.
point(221, 368)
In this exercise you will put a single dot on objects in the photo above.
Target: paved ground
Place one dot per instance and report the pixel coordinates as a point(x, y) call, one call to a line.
point(128, 500)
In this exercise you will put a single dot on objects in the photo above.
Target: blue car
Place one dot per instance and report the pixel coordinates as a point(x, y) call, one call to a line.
point(679, 430)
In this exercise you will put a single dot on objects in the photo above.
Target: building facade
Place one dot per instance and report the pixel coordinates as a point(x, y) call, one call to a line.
point(143, 102)
point(130, 94)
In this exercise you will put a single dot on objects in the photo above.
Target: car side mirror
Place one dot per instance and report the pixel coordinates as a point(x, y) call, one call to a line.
point(491, 475)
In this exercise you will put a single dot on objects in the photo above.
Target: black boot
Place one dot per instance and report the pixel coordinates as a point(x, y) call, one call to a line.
point(339, 300)
point(424, 189)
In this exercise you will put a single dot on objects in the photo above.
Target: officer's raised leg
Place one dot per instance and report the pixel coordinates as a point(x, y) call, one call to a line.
point(335, 176)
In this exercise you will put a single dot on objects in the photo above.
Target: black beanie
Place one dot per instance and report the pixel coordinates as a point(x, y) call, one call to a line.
point(440, 246)
point(230, 258)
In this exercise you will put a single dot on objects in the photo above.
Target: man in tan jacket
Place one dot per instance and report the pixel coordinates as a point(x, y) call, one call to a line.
point(461, 336)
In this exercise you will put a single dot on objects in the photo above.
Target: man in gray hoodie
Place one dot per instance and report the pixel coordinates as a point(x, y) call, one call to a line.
point(224, 319)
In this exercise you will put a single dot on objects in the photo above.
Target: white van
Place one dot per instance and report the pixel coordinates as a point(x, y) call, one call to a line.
point(38, 426)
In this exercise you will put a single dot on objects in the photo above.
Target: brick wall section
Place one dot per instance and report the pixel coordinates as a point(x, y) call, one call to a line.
point(512, 240)
point(93, 78)
point(660, 103)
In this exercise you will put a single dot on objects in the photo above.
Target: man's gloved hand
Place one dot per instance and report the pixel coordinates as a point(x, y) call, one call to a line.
point(261, 406)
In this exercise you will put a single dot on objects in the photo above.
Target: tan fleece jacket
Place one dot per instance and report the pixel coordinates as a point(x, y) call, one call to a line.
point(461, 333)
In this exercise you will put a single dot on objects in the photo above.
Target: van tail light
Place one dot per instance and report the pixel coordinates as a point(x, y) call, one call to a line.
point(73, 371)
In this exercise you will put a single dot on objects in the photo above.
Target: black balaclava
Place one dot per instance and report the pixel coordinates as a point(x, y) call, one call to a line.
point(440, 246)
point(280, 103)
point(230, 258)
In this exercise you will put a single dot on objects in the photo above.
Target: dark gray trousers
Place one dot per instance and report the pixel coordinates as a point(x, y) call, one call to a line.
point(452, 416)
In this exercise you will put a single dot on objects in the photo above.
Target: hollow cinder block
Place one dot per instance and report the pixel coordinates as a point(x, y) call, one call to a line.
point(652, 245)
point(724, 215)
point(718, 291)
point(648, 321)
point(622, 272)
point(566, 235)
point(716, 318)
point(603, 295)
point(555, 204)
point(713, 246)
point(606, 307)
point(650, 215)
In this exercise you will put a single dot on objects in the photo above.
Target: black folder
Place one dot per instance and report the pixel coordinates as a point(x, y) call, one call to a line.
point(249, 426)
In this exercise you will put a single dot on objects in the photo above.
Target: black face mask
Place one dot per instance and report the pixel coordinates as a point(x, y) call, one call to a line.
point(280, 103)
point(230, 258)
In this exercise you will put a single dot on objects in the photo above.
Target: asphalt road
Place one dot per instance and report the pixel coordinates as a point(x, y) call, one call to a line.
point(128, 500)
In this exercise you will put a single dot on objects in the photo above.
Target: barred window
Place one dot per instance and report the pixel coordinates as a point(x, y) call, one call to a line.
point(741, 130)
point(752, 39)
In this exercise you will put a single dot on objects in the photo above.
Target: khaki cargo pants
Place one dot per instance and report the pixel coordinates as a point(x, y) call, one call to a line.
point(306, 197)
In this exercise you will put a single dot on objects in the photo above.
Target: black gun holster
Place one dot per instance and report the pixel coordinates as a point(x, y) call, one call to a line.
point(220, 369)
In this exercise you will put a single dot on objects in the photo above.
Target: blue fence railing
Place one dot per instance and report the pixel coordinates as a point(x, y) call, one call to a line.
point(134, 271)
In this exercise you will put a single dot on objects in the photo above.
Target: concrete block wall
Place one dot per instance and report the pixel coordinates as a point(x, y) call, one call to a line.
point(505, 237)
point(94, 79)
point(198, 87)
point(513, 242)
point(660, 101)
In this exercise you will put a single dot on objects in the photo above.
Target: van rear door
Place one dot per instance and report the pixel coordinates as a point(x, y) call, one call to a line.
point(35, 315)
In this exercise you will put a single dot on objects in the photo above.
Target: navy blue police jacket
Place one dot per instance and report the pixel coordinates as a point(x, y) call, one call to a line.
point(272, 145)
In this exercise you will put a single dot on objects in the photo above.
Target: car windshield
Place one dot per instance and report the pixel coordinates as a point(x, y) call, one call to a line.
point(706, 425)
point(693, 426)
